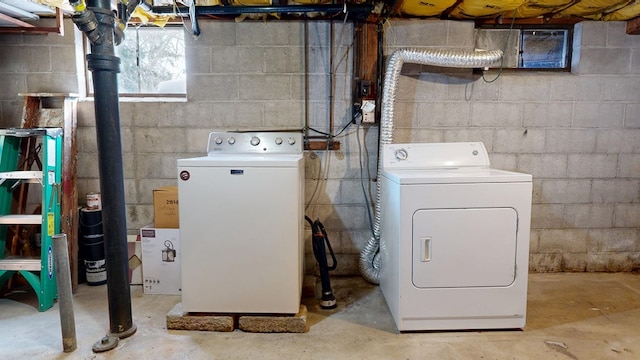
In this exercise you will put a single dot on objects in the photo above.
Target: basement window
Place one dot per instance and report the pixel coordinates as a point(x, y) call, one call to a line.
point(152, 63)
point(529, 48)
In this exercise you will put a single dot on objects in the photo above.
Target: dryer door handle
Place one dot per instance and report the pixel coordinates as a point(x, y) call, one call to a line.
point(426, 249)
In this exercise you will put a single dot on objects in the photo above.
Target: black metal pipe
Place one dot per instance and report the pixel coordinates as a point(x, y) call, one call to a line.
point(354, 9)
point(105, 66)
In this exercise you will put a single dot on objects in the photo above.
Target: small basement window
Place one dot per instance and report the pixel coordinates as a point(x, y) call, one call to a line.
point(152, 62)
point(529, 48)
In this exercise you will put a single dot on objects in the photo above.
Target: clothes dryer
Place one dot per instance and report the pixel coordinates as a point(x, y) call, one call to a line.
point(454, 238)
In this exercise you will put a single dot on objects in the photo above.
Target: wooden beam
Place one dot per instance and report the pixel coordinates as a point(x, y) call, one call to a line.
point(26, 28)
point(633, 26)
point(14, 21)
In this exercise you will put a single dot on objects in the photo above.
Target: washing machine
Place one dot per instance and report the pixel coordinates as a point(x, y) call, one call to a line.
point(241, 224)
point(454, 238)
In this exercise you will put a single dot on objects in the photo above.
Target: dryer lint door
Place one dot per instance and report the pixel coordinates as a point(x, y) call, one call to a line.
point(471, 247)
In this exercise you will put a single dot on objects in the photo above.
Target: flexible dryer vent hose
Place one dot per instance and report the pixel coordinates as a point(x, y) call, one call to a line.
point(369, 259)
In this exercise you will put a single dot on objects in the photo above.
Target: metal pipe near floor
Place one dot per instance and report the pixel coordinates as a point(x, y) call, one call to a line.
point(105, 66)
point(65, 292)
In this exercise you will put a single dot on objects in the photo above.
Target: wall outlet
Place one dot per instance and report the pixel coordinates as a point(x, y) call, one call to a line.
point(368, 111)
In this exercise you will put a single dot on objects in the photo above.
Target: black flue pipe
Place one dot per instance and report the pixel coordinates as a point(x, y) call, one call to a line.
point(105, 66)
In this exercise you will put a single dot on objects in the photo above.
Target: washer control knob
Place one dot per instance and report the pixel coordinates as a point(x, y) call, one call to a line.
point(291, 141)
point(255, 140)
point(402, 154)
point(231, 141)
point(278, 141)
point(218, 140)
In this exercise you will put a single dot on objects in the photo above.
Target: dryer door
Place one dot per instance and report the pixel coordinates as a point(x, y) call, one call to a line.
point(473, 247)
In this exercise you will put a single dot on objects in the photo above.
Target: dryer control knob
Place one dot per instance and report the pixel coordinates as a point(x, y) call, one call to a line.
point(291, 141)
point(402, 154)
point(278, 141)
point(218, 140)
point(255, 141)
point(231, 141)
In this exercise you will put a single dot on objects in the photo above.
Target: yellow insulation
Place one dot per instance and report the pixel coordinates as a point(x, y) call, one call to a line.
point(535, 8)
point(628, 12)
point(425, 7)
point(593, 7)
point(482, 8)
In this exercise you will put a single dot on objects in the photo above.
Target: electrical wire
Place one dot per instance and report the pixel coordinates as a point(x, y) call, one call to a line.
point(367, 201)
point(504, 50)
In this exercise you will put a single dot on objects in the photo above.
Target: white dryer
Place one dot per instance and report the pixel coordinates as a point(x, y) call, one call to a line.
point(454, 238)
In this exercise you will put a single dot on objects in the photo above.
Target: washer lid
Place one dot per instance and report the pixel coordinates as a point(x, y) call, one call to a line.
point(454, 175)
point(243, 160)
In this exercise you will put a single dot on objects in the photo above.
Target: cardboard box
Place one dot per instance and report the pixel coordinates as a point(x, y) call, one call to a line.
point(165, 207)
point(161, 261)
point(134, 250)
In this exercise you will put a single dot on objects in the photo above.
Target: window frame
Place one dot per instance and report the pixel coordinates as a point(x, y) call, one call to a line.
point(88, 78)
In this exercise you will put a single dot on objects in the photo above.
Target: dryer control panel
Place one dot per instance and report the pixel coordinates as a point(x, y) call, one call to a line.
point(435, 155)
point(254, 143)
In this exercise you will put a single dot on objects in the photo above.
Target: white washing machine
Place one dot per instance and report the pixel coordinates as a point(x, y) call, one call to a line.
point(241, 224)
point(454, 238)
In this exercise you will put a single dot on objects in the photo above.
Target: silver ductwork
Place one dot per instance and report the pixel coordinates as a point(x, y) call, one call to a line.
point(369, 259)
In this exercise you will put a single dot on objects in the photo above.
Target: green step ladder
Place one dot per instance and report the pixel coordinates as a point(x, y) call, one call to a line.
point(38, 271)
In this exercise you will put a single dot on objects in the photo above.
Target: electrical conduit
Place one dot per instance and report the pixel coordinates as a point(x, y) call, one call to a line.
point(369, 259)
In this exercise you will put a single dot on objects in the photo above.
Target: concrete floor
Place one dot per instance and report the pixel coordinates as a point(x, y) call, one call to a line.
point(570, 316)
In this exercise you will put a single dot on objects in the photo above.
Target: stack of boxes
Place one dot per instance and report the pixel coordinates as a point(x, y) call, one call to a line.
point(161, 255)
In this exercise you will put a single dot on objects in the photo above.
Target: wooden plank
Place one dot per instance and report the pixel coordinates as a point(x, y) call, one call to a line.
point(633, 26)
point(13, 21)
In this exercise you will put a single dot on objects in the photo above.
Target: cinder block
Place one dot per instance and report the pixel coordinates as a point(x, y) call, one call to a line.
point(563, 241)
point(590, 33)
point(613, 240)
point(632, 111)
point(628, 164)
point(620, 88)
point(502, 114)
point(576, 88)
point(544, 263)
point(603, 61)
point(403, 33)
point(518, 141)
point(570, 141)
point(264, 87)
point(524, 88)
point(177, 319)
point(275, 323)
point(618, 141)
point(598, 115)
point(443, 114)
point(282, 60)
point(565, 191)
point(212, 87)
point(543, 165)
point(548, 114)
point(588, 216)
point(627, 215)
point(592, 166)
point(547, 216)
point(615, 191)
point(237, 59)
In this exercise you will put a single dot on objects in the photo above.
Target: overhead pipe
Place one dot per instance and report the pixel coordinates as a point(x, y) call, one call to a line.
point(369, 259)
point(105, 66)
point(354, 9)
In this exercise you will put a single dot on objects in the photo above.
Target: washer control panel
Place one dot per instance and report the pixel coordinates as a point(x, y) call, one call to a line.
point(254, 143)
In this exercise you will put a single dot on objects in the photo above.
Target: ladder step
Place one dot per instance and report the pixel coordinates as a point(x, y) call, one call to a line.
point(21, 175)
point(20, 219)
point(30, 264)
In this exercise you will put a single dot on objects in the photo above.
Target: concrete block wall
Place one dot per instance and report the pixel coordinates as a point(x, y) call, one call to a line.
point(577, 133)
